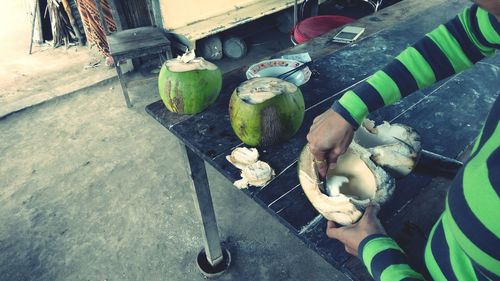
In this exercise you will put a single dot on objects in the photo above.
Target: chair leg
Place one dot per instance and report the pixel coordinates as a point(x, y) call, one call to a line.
point(165, 56)
point(123, 83)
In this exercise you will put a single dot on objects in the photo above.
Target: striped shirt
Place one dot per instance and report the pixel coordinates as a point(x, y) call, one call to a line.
point(464, 244)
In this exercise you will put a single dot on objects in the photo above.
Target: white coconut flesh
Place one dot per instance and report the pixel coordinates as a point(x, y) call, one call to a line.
point(351, 186)
point(359, 178)
point(395, 147)
point(242, 156)
point(351, 177)
point(253, 172)
point(189, 62)
point(255, 91)
point(256, 174)
point(349, 191)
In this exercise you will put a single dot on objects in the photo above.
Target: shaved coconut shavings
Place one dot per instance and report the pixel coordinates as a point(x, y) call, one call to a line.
point(257, 174)
point(187, 56)
point(253, 171)
point(260, 90)
point(189, 62)
point(241, 157)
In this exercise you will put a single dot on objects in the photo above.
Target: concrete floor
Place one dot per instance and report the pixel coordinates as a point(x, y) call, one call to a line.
point(91, 190)
point(47, 73)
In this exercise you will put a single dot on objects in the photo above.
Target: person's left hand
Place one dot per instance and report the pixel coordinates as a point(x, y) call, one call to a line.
point(352, 235)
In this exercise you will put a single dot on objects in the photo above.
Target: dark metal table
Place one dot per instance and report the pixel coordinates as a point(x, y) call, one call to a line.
point(448, 116)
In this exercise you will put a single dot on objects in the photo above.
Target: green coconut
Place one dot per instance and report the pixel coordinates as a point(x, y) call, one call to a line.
point(189, 85)
point(265, 111)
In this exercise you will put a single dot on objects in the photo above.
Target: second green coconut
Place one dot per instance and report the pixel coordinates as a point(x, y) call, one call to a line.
point(188, 85)
point(265, 111)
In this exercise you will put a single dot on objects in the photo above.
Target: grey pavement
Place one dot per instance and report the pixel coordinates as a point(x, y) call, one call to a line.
point(91, 190)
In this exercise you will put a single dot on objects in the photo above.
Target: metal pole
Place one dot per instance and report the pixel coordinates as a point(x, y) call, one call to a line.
point(295, 12)
point(33, 25)
point(195, 167)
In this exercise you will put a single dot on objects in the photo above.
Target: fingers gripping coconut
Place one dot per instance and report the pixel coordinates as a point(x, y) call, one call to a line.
point(329, 137)
point(351, 186)
point(265, 111)
point(358, 178)
point(188, 85)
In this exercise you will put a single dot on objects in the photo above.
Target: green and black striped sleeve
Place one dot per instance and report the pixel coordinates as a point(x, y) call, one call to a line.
point(464, 243)
point(448, 49)
point(385, 260)
point(450, 255)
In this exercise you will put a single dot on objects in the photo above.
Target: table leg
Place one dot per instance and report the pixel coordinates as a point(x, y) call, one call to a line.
point(203, 203)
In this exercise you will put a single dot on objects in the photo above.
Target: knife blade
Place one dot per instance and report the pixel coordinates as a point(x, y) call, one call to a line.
point(438, 164)
point(320, 181)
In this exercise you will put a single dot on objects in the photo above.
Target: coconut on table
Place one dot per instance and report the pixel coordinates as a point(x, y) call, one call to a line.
point(264, 111)
point(188, 85)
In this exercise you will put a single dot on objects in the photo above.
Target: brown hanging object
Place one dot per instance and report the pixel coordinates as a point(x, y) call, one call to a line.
point(94, 31)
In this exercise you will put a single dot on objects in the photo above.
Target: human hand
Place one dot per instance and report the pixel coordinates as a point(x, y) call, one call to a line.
point(352, 235)
point(329, 137)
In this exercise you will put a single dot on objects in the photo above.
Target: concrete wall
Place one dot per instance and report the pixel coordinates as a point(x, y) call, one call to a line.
point(178, 13)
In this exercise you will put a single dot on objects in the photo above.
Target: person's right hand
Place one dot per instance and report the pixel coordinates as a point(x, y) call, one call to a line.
point(329, 137)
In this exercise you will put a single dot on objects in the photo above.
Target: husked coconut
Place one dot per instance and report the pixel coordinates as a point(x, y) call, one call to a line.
point(242, 156)
point(256, 174)
point(351, 186)
point(395, 147)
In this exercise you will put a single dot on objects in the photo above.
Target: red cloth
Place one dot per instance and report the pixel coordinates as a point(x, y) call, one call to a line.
point(316, 26)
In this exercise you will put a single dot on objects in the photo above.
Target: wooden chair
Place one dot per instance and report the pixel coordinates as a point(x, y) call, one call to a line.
point(132, 43)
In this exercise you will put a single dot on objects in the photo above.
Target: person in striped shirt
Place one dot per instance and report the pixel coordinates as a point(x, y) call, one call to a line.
point(464, 244)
